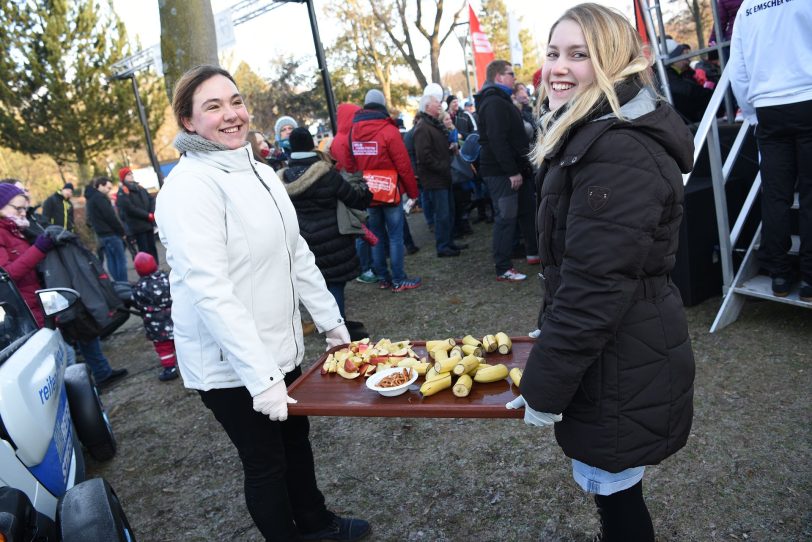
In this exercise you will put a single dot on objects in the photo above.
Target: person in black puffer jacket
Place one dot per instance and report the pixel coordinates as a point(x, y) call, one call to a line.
point(315, 187)
point(613, 368)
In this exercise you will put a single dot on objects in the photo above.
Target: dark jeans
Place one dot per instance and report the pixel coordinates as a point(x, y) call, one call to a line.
point(116, 261)
point(337, 289)
point(146, 243)
point(511, 207)
point(280, 480)
point(386, 221)
point(441, 205)
point(784, 135)
point(93, 356)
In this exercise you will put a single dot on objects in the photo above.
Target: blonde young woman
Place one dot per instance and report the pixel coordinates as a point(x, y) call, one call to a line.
point(613, 368)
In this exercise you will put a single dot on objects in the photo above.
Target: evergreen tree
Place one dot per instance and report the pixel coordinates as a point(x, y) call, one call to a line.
point(56, 96)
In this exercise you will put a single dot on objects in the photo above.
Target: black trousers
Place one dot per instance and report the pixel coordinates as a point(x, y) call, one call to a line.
point(784, 135)
point(146, 243)
point(624, 516)
point(280, 480)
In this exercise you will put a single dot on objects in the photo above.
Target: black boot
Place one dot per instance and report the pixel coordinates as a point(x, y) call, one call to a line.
point(624, 516)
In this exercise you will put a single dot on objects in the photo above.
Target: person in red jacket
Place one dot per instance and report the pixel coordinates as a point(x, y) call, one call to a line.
point(376, 144)
point(17, 256)
point(20, 259)
point(340, 147)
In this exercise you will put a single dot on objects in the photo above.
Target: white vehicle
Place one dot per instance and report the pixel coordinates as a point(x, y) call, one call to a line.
point(47, 409)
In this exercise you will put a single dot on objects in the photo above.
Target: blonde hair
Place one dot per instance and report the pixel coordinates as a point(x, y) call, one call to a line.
point(616, 53)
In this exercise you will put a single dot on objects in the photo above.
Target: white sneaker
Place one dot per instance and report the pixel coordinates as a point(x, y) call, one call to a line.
point(511, 275)
point(534, 334)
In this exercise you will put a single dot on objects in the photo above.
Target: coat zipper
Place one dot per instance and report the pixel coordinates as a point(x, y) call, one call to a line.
point(290, 257)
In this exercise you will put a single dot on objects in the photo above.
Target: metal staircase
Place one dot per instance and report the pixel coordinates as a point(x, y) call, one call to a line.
point(746, 282)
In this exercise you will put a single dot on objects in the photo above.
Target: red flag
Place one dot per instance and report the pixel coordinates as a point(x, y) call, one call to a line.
point(483, 53)
point(640, 22)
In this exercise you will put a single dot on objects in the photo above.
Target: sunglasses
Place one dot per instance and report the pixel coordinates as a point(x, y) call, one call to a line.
point(510, 74)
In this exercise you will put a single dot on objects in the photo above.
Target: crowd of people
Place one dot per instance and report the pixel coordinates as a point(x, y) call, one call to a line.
point(579, 174)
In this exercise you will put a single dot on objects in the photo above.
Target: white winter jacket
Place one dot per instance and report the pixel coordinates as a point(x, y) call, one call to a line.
point(239, 269)
point(771, 54)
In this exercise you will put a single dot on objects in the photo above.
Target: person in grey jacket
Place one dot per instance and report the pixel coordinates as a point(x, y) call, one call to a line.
point(239, 270)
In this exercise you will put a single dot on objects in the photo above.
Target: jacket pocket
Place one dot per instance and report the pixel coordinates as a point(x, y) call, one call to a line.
point(586, 403)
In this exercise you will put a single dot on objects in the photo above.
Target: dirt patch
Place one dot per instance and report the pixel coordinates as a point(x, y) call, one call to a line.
point(744, 475)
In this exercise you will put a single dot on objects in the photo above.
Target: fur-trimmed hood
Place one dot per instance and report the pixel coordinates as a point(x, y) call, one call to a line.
point(297, 179)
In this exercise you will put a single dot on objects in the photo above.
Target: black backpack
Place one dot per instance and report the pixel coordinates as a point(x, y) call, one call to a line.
point(99, 310)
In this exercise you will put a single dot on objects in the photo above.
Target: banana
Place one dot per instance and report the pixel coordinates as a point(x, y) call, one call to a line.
point(491, 374)
point(504, 344)
point(445, 344)
point(471, 341)
point(515, 375)
point(430, 387)
point(421, 368)
point(438, 354)
point(463, 386)
point(470, 349)
point(456, 351)
point(446, 365)
point(431, 374)
point(465, 365)
point(489, 343)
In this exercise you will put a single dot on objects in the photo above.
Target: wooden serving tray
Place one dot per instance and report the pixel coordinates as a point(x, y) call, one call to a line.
point(333, 395)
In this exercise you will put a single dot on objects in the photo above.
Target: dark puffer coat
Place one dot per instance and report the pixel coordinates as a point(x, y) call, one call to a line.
point(314, 188)
point(135, 206)
point(432, 154)
point(501, 134)
point(614, 354)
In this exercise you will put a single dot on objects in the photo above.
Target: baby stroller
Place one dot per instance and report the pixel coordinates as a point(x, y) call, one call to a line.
point(469, 189)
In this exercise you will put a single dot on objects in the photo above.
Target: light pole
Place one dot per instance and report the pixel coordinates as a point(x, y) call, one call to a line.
point(464, 44)
point(142, 115)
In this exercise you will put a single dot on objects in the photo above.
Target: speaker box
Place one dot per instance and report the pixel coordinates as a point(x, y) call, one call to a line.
point(698, 269)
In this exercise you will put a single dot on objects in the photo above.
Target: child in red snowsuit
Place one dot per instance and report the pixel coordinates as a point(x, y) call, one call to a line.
point(151, 297)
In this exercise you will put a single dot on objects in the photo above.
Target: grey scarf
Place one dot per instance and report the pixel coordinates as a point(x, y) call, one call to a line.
point(185, 142)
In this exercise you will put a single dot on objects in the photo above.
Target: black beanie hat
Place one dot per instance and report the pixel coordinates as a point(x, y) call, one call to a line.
point(301, 140)
point(450, 99)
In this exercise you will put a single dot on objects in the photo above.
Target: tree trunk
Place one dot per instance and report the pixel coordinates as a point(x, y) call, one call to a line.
point(700, 38)
point(188, 37)
point(434, 48)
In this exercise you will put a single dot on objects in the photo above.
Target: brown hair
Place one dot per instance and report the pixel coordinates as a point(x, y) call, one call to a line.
point(183, 97)
point(251, 137)
point(100, 181)
point(496, 67)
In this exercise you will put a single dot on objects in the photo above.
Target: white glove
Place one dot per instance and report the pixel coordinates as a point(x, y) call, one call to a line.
point(337, 336)
point(273, 402)
point(533, 417)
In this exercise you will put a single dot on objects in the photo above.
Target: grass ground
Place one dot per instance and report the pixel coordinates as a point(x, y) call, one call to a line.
point(745, 473)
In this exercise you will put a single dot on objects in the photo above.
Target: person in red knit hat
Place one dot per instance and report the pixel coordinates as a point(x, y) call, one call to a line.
point(151, 297)
point(136, 208)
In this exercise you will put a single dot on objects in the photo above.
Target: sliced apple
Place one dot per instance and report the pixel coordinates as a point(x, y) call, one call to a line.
point(347, 374)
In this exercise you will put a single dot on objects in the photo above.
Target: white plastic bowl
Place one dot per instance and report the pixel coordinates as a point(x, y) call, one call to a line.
point(372, 381)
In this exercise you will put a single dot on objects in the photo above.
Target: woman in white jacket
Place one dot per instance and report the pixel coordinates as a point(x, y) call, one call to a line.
point(239, 270)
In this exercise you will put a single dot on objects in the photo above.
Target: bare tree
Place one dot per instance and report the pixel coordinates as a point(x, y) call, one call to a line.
point(387, 11)
point(365, 46)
